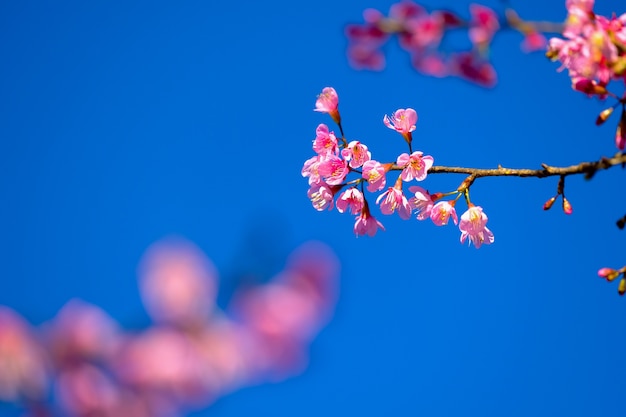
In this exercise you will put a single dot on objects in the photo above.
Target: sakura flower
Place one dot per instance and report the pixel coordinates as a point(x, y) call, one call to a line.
point(321, 196)
point(422, 202)
point(366, 224)
point(473, 225)
point(328, 102)
point(325, 142)
point(403, 121)
point(473, 68)
point(484, 24)
point(442, 211)
point(393, 199)
point(351, 199)
point(333, 169)
point(356, 153)
point(534, 41)
point(311, 169)
point(415, 166)
point(374, 172)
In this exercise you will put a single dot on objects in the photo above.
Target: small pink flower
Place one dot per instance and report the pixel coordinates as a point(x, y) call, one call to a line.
point(352, 200)
point(473, 68)
point(534, 41)
point(473, 225)
point(484, 24)
point(328, 102)
point(311, 169)
point(441, 213)
point(334, 170)
point(321, 196)
point(403, 121)
point(366, 224)
point(422, 202)
point(325, 142)
point(393, 199)
point(375, 174)
point(415, 166)
point(356, 153)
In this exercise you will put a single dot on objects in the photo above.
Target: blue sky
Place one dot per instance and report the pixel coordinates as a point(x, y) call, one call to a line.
point(124, 122)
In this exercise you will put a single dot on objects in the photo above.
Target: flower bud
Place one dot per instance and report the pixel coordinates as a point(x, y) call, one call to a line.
point(608, 273)
point(604, 114)
point(620, 133)
point(567, 207)
point(621, 289)
point(548, 204)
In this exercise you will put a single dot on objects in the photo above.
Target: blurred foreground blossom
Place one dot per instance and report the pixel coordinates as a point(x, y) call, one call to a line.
point(82, 363)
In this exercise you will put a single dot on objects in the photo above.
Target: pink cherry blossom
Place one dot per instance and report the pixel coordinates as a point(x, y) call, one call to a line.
point(325, 142)
point(328, 102)
point(422, 202)
point(321, 196)
point(375, 174)
point(393, 199)
point(356, 153)
point(352, 200)
point(403, 121)
point(414, 166)
point(534, 41)
point(441, 213)
point(178, 283)
point(473, 225)
point(473, 68)
point(366, 224)
point(334, 170)
point(484, 24)
point(311, 169)
point(23, 368)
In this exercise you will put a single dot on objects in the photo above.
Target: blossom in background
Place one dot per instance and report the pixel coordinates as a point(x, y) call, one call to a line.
point(23, 363)
point(483, 26)
point(473, 225)
point(192, 354)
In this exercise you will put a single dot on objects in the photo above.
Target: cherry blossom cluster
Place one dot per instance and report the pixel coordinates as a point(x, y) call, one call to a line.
point(341, 171)
point(422, 34)
point(594, 53)
point(83, 364)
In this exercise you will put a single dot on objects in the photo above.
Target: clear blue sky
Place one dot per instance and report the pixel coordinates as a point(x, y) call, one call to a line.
point(124, 122)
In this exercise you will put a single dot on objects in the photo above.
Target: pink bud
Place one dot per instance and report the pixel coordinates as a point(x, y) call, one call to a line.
point(567, 207)
point(548, 204)
point(608, 273)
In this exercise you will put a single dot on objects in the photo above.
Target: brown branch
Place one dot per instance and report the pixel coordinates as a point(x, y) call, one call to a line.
point(587, 168)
